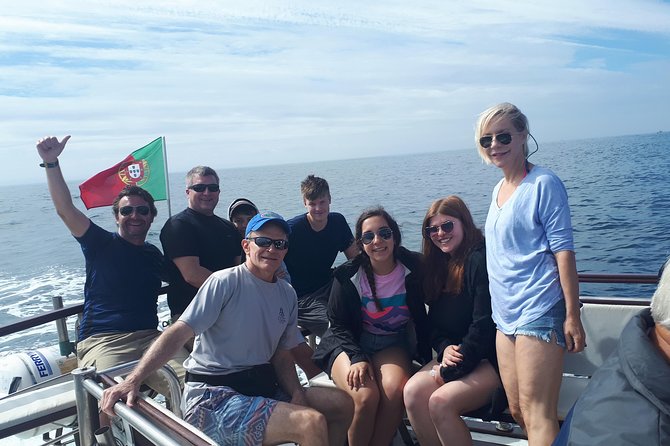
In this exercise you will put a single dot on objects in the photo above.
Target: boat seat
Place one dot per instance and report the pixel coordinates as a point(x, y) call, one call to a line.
point(603, 324)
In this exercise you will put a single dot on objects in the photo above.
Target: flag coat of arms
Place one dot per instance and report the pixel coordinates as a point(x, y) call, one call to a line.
point(144, 167)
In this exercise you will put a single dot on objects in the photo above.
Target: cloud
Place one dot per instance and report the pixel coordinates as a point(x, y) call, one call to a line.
point(239, 83)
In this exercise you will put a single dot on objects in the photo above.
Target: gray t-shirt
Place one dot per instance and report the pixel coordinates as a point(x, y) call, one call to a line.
point(240, 321)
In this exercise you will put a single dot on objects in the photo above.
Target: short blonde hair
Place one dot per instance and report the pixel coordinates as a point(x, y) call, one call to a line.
point(660, 302)
point(499, 111)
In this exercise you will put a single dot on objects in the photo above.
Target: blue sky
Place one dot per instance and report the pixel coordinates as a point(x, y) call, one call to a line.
point(232, 83)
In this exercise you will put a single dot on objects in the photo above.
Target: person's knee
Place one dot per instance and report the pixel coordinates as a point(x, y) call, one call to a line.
point(310, 424)
point(366, 399)
point(438, 405)
point(517, 414)
point(341, 406)
point(443, 403)
point(336, 405)
point(413, 395)
point(536, 413)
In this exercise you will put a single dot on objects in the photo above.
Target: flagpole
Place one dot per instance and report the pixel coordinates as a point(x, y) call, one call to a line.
point(167, 176)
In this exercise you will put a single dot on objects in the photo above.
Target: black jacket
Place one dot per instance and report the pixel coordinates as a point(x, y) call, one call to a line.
point(465, 319)
point(346, 320)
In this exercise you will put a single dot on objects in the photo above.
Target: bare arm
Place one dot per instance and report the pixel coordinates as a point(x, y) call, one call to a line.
point(191, 270)
point(282, 361)
point(160, 352)
point(567, 272)
point(49, 148)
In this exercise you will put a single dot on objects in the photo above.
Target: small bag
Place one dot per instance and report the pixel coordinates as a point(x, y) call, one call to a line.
point(259, 380)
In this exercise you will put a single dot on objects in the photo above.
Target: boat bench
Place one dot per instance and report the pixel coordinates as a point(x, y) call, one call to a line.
point(603, 321)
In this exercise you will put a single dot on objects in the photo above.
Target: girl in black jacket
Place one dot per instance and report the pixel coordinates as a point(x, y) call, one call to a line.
point(456, 286)
point(366, 351)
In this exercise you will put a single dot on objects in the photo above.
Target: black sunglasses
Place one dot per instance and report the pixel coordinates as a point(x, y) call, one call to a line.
point(502, 138)
point(201, 187)
point(368, 237)
point(446, 227)
point(266, 242)
point(128, 210)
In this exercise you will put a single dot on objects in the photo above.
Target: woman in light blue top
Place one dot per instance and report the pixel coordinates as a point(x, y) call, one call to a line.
point(532, 273)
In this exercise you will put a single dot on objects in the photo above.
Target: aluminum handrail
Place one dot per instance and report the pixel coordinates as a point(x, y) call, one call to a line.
point(165, 371)
point(168, 431)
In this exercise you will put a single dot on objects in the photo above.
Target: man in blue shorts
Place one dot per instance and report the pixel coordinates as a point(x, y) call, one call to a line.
point(241, 384)
point(197, 242)
point(123, 272)
point(316, 238)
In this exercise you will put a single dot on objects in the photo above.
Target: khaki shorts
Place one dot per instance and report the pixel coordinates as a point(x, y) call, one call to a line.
point(106, 350)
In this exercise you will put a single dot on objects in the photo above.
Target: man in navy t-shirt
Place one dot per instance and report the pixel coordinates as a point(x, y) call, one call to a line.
point(123, 271)
point(315, 240)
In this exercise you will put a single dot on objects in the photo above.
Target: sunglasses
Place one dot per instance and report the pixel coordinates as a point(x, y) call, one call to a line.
point(201, 187)
point(446, 227)
point(368, 237)
point(128, 210)
point(266, 242)
point(502, 138)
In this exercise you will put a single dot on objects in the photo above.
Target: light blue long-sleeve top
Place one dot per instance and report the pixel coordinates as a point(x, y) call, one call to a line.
point(521, 239)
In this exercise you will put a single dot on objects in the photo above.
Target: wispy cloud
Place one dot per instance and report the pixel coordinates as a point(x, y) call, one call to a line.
point(234, 83)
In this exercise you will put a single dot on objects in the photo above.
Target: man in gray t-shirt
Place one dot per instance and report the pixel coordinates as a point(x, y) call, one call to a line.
point(241, 373)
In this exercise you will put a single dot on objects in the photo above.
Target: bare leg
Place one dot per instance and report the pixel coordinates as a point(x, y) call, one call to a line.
point(338, 409)
point(455, 398)
point(417, 392)
point(391, 368)
point(505, 347)
point(302, 355)
point(366, 400)
point(298, 424)
point(539, 370)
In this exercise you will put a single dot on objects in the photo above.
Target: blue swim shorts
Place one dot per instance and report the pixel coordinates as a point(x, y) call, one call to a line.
point(548, 327)
point(232, 419)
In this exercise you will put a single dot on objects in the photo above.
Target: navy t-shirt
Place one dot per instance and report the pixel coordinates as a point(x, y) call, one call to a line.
point(122, 283)
point(311, 254)
point(212, 239)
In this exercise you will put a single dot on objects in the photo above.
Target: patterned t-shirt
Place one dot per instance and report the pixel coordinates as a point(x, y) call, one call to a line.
point(392, 295)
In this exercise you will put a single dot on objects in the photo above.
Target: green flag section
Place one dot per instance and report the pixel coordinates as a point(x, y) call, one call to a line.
point(144, 168)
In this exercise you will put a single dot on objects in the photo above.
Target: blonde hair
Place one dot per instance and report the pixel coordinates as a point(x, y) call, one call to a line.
point(499, 111)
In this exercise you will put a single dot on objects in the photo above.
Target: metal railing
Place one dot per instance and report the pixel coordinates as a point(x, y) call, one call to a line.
point(155, 423)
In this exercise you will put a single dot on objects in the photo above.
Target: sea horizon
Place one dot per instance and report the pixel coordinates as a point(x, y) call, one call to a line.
point(325, 160)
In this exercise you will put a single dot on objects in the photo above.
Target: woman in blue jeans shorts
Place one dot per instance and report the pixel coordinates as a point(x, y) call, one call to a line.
point(532, 273)
point(366, 350)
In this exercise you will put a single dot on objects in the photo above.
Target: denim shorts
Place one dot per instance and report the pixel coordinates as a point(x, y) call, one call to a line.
point(547, 327)
point(373, 343)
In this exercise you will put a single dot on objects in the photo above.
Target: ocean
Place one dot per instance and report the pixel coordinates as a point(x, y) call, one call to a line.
point(617, 188)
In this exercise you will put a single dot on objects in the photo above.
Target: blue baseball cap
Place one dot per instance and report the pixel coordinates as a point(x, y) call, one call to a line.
point(261, 218)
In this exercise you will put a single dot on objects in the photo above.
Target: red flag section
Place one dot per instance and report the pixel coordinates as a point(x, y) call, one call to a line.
point(144, 168)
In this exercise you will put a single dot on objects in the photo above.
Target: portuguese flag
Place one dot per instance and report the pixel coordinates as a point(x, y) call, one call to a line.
point(144, 167)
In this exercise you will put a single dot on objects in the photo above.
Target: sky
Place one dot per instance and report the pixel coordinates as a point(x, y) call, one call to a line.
point(253, 82)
